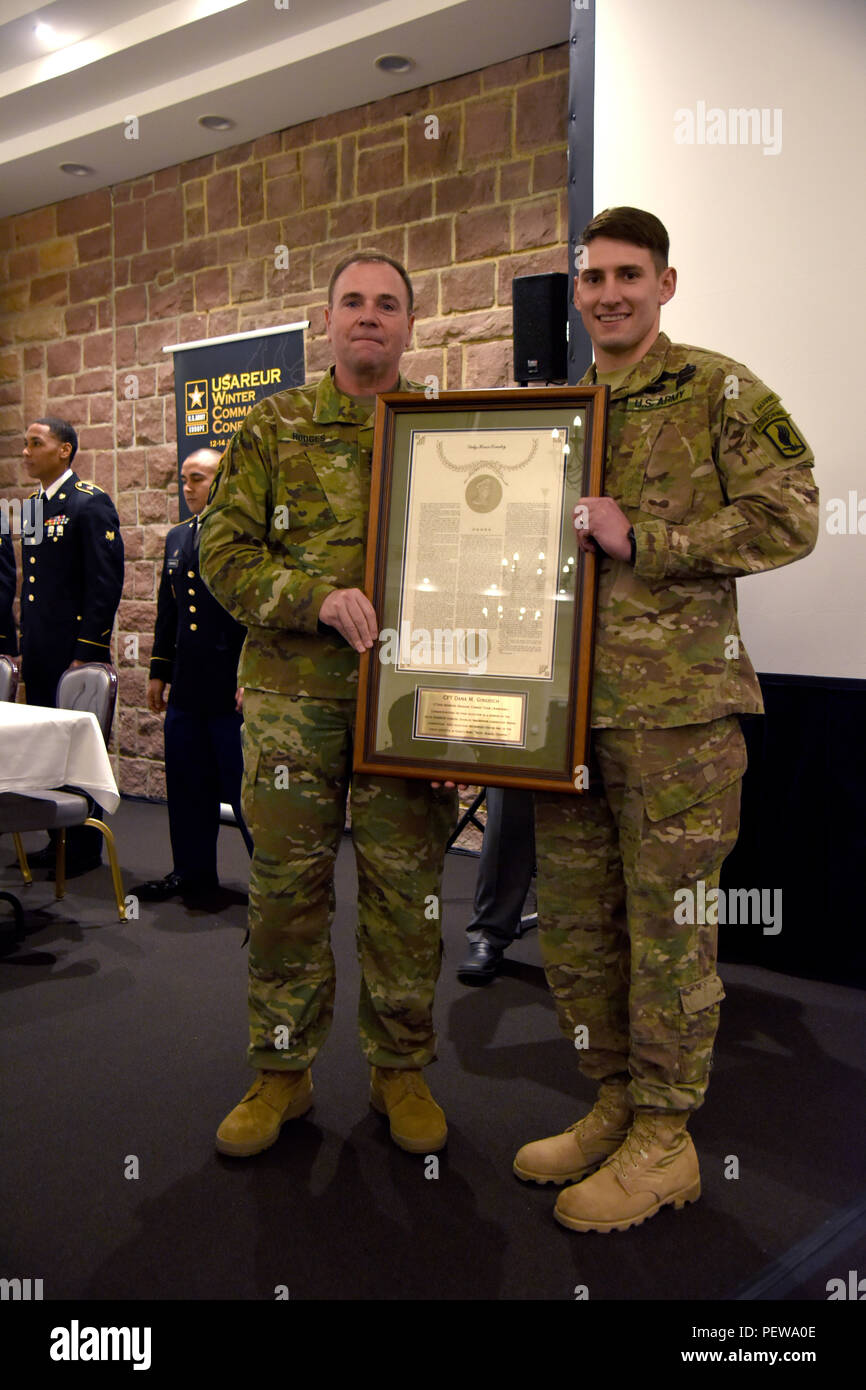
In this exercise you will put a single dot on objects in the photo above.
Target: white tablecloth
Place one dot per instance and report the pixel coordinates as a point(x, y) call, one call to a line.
point(48, 748)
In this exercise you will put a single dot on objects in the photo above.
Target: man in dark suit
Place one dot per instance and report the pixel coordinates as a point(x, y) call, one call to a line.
point(8, 639)
point(504, 877)
point(71, 583)
point(196, 647)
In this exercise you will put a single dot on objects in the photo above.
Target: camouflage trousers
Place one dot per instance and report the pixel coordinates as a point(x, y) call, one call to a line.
point(297, 772)
point(636, 992)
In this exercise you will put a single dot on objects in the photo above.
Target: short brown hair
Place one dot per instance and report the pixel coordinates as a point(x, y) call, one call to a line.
point(634, 225)
point(362, 257)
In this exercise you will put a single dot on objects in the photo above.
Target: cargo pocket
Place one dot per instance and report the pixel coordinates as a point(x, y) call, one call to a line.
point(700, 1021)
point(694, 777)
point(672, 1041)
point(268, 782)
point(692, 806)
point(702, 995)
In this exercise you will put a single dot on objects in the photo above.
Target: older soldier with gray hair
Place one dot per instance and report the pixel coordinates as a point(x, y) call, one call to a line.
point(283, 549)
point(707, 479)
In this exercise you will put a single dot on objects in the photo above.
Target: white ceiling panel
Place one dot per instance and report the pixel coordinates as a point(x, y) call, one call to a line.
point(66, 96)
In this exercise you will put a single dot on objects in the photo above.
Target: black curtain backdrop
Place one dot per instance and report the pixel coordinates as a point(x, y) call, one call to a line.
point(803, 829)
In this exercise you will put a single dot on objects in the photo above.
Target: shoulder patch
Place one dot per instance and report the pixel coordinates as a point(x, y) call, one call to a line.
point(767, 403)
point(90, 488)
point(782, 433)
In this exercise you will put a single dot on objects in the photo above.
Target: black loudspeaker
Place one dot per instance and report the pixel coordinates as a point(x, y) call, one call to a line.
point(540, 320)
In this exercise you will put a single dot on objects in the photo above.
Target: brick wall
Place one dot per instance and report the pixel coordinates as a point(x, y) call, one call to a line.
point(95, 286)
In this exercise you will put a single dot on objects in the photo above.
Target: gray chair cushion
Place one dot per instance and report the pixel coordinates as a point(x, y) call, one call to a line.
point(42, 810)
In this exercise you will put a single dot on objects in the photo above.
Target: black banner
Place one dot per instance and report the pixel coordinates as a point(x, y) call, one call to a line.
point(217, 383)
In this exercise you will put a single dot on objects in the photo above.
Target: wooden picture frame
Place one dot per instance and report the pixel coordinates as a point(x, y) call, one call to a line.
point(486, 604)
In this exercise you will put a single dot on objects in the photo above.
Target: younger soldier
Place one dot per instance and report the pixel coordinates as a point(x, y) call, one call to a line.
point(707, 478)
point(283, 549)
point(196, 647)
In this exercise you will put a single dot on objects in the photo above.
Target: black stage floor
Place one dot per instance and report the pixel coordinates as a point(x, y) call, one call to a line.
point(126, 1041)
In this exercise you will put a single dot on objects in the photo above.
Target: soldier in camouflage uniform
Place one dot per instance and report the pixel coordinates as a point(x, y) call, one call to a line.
point(283, 543)
point(707, 479)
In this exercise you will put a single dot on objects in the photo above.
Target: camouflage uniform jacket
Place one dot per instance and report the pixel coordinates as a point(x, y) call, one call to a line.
point(717, 482)
point(286, 523)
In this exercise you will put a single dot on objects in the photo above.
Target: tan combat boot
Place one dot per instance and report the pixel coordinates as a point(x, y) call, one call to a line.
point(656, 1165)
point(254, 1124)
point(584, 1145)
point(417, 1122)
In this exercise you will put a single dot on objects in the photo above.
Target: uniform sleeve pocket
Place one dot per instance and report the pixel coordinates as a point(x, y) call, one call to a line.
point(674, 789)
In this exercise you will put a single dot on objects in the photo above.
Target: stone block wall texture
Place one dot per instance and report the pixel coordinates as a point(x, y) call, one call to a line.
point(464, 181)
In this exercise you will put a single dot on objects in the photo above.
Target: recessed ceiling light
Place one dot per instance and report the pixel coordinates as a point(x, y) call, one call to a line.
point(79, 171)
point(216, 122)
point(48, 38)
point(394, 62)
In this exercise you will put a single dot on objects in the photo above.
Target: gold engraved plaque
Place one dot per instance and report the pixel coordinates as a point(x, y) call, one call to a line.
point(471, 716)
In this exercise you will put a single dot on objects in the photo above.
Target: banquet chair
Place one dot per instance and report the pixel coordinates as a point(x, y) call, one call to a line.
point(10, 674)
point(92, 687)
point(10, 667)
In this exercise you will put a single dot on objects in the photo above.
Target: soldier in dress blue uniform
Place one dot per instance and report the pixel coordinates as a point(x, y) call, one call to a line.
point(71, 583)
point(8, 638)
point(196, 647)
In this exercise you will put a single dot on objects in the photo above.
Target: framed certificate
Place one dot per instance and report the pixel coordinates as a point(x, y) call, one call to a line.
point(483, 668)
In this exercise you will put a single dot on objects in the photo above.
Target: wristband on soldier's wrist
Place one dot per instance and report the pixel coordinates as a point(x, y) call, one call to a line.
point(633, 543)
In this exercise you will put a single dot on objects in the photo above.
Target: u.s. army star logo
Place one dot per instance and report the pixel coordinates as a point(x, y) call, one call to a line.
point(196, 397)
point(783, 434)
